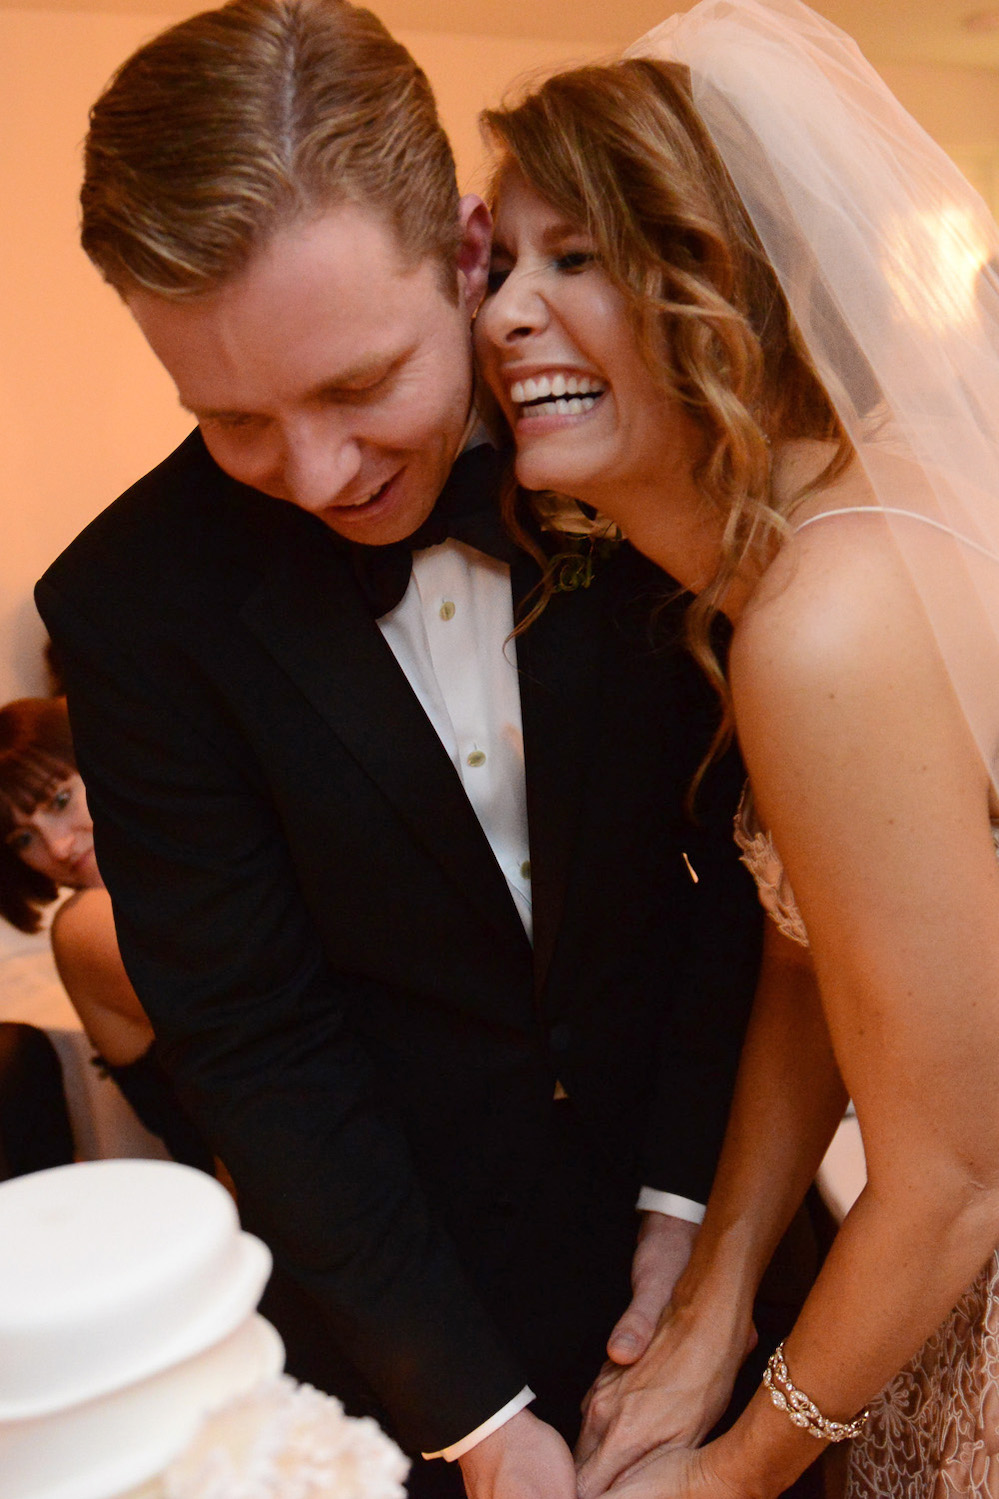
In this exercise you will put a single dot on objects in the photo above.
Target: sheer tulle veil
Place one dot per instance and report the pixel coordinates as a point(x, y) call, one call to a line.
point(890, 263)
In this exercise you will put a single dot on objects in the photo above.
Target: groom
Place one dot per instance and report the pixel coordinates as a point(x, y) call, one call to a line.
point(440, 963)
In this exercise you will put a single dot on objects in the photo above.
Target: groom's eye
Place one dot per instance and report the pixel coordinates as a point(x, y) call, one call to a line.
point(356, 395)
point(497, 275)
point(370, 384)
point(576, 260)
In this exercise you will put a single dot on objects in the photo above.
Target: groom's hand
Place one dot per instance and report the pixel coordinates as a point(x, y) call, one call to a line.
point(664, 1247)
point(524, 1459)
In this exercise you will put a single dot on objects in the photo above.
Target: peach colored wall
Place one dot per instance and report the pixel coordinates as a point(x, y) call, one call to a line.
point(84, 408)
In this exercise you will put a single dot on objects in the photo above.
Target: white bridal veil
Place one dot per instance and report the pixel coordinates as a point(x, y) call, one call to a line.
point(890, 264)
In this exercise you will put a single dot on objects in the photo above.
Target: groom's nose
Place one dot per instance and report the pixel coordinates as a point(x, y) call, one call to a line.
point(321, 460)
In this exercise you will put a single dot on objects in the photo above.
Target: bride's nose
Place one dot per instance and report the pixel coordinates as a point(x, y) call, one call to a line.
point(515, 310)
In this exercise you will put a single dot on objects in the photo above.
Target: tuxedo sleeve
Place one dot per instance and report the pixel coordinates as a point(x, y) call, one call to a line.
point(222, 951)
point(719, 963)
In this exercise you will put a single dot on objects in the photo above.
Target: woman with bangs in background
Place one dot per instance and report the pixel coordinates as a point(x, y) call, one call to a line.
point(47, 846)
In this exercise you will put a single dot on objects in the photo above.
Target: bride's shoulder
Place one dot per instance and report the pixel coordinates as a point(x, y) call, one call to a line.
point(837, 599)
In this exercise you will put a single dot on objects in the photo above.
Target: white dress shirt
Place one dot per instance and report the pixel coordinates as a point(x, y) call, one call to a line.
point(450, 634)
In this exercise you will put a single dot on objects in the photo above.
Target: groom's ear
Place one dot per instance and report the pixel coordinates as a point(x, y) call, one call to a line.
point(473, 251)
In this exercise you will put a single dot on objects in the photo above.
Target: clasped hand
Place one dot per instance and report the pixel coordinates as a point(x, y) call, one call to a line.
point(667, 1380)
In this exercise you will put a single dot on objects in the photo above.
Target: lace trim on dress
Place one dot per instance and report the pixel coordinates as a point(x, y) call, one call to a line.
point(764, 863)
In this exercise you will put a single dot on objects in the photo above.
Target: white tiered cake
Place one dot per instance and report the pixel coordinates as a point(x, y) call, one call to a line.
point(131, 1357)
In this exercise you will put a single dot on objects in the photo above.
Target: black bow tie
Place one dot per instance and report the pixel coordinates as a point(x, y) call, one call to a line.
point(467, 510)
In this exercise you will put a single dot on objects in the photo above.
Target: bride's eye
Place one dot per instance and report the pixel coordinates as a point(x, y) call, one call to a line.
point(494, 280)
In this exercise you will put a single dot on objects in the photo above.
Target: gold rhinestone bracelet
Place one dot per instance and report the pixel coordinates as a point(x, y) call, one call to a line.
point(802, 1411)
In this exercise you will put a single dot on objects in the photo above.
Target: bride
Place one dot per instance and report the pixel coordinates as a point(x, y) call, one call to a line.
point(740, 305)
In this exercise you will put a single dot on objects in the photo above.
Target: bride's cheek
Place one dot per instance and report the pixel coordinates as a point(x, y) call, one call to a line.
point(482, 343)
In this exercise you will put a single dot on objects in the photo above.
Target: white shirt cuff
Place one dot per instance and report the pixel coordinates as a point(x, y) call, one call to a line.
point(652, 1201)
point(512, 1408)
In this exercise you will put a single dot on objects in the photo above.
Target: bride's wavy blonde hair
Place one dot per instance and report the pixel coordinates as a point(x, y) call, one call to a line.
point(621, 150)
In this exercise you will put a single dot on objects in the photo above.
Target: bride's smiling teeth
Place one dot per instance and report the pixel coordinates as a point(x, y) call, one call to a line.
point(556, 395)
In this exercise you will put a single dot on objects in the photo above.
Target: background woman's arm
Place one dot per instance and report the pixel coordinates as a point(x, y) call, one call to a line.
point(86, 954)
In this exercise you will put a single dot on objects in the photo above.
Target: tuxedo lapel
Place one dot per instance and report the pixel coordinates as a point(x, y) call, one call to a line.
point(310, 616)
point(561, 659)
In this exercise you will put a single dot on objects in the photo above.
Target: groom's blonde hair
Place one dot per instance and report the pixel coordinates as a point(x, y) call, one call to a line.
point(241, 120)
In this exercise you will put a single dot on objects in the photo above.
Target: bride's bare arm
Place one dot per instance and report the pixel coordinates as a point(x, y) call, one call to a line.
point(865, 771)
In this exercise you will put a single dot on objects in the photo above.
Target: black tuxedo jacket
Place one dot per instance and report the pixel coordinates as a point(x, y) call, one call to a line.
point(311, 914)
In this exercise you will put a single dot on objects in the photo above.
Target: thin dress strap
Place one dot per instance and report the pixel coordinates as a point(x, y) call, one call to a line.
point(895, 510)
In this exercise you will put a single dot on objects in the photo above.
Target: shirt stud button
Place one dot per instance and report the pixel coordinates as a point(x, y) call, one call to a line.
point(525, 870)
point(477, 757)
point(447, 609)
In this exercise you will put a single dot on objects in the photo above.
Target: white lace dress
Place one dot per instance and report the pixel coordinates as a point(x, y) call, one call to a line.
point(933, 1432)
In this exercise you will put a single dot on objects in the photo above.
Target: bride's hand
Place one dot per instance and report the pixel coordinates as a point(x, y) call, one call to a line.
point(676, 1473)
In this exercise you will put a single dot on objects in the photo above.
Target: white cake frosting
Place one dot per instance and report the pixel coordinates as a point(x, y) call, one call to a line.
point(101, 1448)
point(111, 1271)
